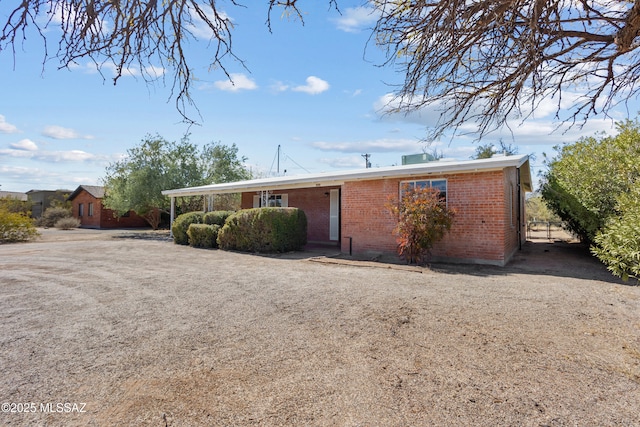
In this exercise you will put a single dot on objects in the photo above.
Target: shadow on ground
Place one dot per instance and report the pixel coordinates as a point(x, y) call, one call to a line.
point(557, 258)
point(538, 257)
point(542, 257)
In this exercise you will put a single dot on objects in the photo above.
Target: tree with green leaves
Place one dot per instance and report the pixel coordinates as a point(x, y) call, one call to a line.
point(488, 150)
point(618, 243)
point(583, 183)
point(592, 185)
point(136, 182)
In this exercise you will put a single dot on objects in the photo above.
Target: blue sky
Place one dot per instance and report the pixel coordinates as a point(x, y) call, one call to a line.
point(316, 90)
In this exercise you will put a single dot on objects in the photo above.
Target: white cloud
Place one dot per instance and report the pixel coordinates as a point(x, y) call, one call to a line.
point(351, 162)
point(355, 19)
point(238, 82)
point(198, 27)
point(314, 86)
point(32, 178)
point(7, 127)
point(59, 132)
point(371, 146)
point(27, 149)
point(541, 128)
point(24, 145)
point(279, 86)
point(149, 72)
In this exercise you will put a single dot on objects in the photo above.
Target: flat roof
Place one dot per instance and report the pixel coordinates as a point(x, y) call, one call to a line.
point(327, 179)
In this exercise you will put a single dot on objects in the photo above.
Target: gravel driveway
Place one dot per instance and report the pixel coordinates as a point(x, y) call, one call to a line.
point(100, 328)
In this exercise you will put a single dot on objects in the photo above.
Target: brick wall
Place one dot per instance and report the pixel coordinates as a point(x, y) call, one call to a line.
point(102, 217)
point(485, 229)
point(132, 220)
point(482, 230)
point(315, 204)
point(83, 198)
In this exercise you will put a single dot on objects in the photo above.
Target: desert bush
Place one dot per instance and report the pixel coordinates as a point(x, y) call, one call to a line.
point(67, 223)
point(10, 204)
point(203, 235)
point(264, 230)
point(423, 219)
point(52, 215)
point(16, 227)
point(216, 217)
point(181, 224)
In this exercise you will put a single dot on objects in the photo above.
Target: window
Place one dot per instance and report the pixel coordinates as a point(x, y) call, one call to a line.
point(438, 184)
point(275, 201)
point(90, 209)
point(80, 210)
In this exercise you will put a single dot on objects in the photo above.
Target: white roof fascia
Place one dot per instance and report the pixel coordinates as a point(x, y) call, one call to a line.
point(327, 179)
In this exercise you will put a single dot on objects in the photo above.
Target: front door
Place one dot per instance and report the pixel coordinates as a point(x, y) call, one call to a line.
point(334, 215)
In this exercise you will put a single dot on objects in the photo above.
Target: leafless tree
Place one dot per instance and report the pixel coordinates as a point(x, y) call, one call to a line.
point(486, 62)
point(147, 36)
point(478, 61)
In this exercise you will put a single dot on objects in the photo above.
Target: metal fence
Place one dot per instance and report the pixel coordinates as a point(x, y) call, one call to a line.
point(547, 230)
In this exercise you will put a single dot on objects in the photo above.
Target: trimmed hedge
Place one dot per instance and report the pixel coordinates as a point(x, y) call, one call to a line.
point(216, 217)
point(181, 225)
point(264, 230)
point(203, 235)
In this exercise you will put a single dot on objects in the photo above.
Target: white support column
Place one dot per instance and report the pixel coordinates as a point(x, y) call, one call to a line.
point(172, 215)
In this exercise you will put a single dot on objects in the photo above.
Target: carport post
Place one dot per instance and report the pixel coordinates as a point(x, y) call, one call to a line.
point(172, 215)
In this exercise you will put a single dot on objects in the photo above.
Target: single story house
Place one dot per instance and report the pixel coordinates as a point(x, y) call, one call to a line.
point(347, 208)
point(86, 203)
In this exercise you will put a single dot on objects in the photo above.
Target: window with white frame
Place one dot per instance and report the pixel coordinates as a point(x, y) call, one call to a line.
point(90, 209)
point(275, 200)
point(438, 184)
point(80, 209)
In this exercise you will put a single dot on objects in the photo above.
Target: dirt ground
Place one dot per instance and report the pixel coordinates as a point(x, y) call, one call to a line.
point(109, 328)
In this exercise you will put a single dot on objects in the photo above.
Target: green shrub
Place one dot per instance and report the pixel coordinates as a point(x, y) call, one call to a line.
point(67, 223)
point(264, 230)
point(216, 217)
point(52, 215)
point(617, 245)
point(16, 227)
point(181, 225)
point(203, 235)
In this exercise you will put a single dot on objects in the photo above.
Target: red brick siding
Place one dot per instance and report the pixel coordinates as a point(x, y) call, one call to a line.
point(87, 221)
point(365, 220)
point(102, 217)
point(479, 233)
point(313, 201)
point(485, 228)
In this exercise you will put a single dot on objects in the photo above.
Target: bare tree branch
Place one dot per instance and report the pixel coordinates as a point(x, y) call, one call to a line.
point(479, 62)
point(484, 62)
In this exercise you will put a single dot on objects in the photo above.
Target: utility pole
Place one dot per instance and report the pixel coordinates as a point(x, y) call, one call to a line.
point(366, 159)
